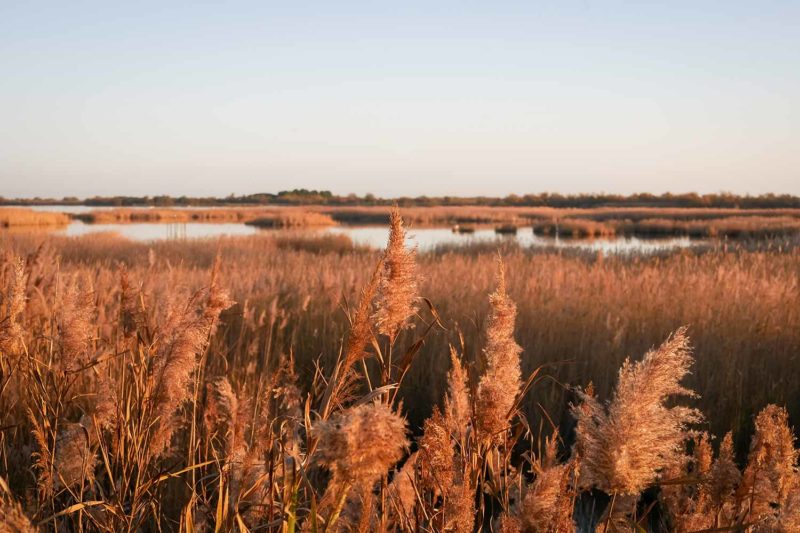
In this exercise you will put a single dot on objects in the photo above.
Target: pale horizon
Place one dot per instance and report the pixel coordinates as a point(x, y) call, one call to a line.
point(453, 99)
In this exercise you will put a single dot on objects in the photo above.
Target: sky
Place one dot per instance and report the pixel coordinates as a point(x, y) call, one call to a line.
point(398, 98)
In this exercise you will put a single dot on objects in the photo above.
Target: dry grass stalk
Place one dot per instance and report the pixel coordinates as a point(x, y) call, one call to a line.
point(344, 381)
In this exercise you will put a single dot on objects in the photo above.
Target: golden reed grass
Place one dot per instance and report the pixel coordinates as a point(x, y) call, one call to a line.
point(142, 398)
point(13, 217)
point(264, 217)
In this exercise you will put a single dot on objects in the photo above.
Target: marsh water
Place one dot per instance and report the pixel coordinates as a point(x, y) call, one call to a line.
point(425, 238)
point(375, 236)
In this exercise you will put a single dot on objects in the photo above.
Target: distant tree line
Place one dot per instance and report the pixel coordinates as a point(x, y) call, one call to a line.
point(319, 197)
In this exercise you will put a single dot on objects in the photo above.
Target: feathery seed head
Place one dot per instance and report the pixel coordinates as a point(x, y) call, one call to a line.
point(74, 461)
point(360, 444)
point(13, 519)
point(75, 328)
point(398, 286)
point(724, 476)
point(403, 490)
point(457, 408)
point(436, 453)
point(624, 447)
point(182, 337)
point(14, 300)
point(547, 506)
point(501, 380)
point(771, 475)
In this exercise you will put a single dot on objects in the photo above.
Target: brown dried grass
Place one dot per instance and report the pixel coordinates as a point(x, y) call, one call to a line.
point(152, 403)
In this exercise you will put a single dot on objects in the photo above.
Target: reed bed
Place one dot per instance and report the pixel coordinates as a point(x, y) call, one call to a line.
point(434, 216)
point(16, 218)
point(293, 219)
point(348, 390)
point(524, 216)
point(574, 228)
point(734, 227)
point(264, 217)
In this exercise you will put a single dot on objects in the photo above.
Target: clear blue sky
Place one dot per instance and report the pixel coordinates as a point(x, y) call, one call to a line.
point(398, 98)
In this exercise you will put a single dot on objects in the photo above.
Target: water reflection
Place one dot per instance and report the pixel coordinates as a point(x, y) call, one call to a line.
point(429, 238)
point(376, 236)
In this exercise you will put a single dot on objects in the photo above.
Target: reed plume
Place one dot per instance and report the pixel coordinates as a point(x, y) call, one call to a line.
point(457, 407)
point(510, 524)
point(710, 502)
point(75, 461)
point(13, 301)
point(443, 474)
point(501, 380)
point(724, 476)
point(547, 507)
point(182, 338)
point(12, 517)
point(221, 407)
point(75, 327)
point(403, 488)
point(688, 497)
point(360, 444)
point(548, 503)
point(42, 456)
point(436, 453)
point(398, 286)
point(344, 379)
point(624, 447)
point(461, 502)
point(226, 417)
point(131, 319)
point(361, 327)
point(771, 480)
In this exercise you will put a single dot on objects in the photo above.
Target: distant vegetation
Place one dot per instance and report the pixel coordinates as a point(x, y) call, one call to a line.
point(314, 197)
